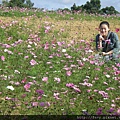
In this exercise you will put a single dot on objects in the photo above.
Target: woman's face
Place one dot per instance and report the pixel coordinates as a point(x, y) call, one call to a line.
point(104, 30)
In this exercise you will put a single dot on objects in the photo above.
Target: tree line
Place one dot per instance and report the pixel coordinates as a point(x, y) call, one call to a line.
point(92, 6)
point(18, 3)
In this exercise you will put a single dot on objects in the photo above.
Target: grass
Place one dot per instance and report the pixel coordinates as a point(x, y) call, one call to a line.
point(46, 60)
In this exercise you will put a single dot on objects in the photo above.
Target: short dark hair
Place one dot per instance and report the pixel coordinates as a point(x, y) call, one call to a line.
point(104, 22)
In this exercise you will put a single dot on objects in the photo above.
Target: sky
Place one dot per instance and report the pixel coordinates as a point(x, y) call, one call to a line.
point(56, 4)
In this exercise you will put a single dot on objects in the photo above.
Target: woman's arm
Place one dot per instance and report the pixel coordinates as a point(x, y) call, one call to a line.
point(107, 53)
point(99, 39)
point(116, 45)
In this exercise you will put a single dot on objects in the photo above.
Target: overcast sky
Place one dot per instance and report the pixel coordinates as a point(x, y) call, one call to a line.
point(55, 4)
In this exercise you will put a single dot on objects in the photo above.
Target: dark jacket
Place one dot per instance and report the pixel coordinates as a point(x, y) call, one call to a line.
point(111, 43)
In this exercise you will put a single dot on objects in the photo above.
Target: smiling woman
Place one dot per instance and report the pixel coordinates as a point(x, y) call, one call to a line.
point(107, 42)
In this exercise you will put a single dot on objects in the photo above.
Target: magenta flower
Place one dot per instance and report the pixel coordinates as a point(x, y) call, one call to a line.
point(68, 73)
point(2, 58)
point(117, 30)
point(40, 92)
point(117, 72)
point(111, 110)
point(42, 104)
point(99, 111)
point(33, 62)
point(24, 80)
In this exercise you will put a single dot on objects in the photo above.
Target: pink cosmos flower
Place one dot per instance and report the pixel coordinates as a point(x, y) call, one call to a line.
point(57, 79)
point(33, 62)
point(97, 69)
point(47, 27)
point(24, 80)
point(7, 98)
point(45, 79)
point(105, 83)
point(26, 57)
point(68, 73)
point(46, 46)
point(66, 68)
point(17, 83)
point(56, 96)
point(118, 64)
point(59, 43)
point(80, 63)
point(117, 72)
point(34, 104)
point(92, 62)
point(76, 89)
point(103, 93)
point(89, 90)
point(95, 90)
point(118, 111)
point(39, 97)
point(2, 58)
point(71, 85)
point(27, 86)
point(110, 88)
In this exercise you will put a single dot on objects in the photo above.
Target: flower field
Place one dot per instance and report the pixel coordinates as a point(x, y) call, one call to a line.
point(47, 65)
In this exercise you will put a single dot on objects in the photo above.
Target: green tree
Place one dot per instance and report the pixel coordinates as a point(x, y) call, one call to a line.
point(4, 2)
point(92, 7)
point(29, 4)
point(108, 10)
point(75, 8)
point(19, 3)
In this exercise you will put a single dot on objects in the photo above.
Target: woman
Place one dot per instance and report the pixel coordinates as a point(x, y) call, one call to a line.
point(107, 42)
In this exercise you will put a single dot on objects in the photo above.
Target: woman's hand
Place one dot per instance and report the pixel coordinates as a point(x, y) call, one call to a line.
point(101, 38)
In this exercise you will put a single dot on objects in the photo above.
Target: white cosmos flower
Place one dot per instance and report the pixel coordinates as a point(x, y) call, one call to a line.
point(10, 87)
point(108, 76)
point(63, 50)
point(89, 50)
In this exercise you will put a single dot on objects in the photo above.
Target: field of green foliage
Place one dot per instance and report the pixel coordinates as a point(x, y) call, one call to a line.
point(47, 65)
